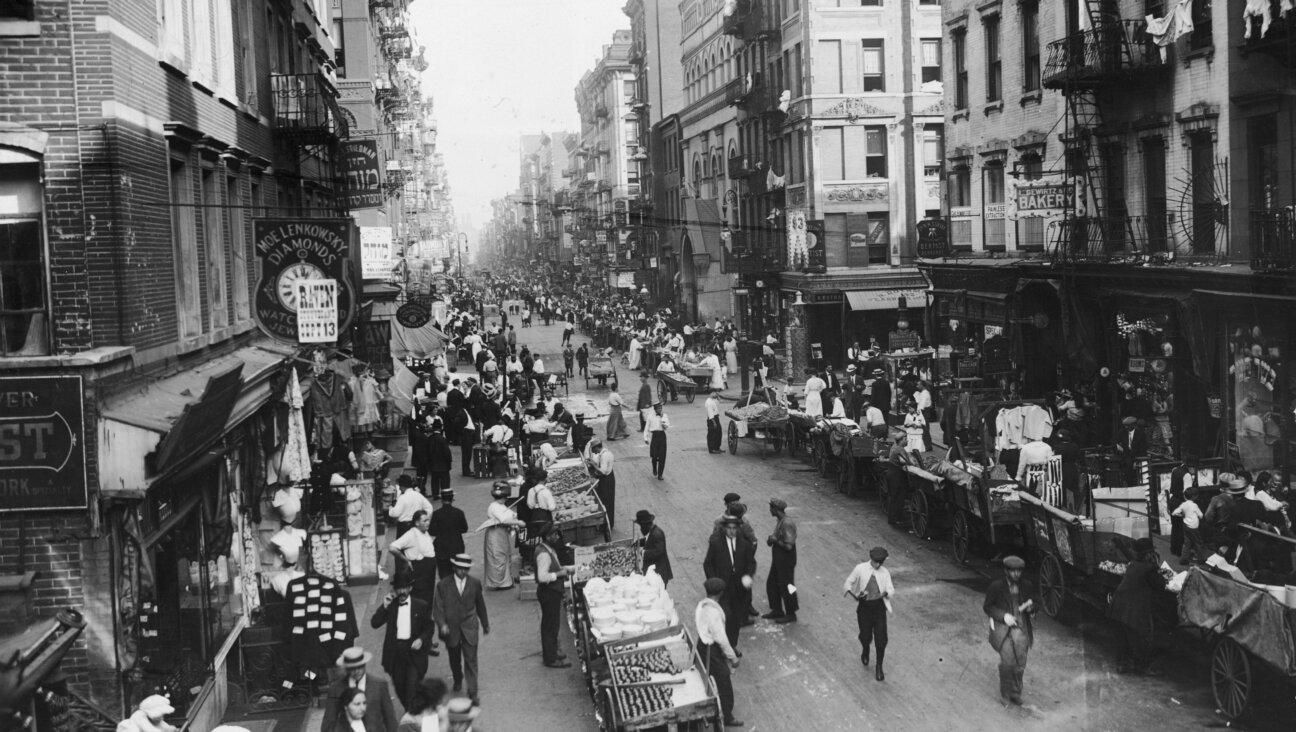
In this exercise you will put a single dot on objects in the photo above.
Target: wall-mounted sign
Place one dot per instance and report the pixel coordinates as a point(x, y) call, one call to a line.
point(376, 256)
point(361, 175)
point(292, 250)
point(1041, 199)
point(42, 444)
point(413, 315)
point(317, 311)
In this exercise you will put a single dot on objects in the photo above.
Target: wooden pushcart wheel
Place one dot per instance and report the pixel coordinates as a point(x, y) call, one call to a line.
point(661, 391)
point(776, 440)
point(919, 515)
point(1230, 677)
point(961, 536)
point(844, 475)
point(689, 394)
point(733, 439)
point(1052, 585)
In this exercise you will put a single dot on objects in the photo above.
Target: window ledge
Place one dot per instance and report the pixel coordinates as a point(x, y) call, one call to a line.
point(960, 114)
point(1032, 97)
point(1207, 53)
point(994, 108)
point(90, 358)
point(19, 28)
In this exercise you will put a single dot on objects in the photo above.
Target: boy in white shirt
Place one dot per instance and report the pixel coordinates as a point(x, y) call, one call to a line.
point(1192, 514)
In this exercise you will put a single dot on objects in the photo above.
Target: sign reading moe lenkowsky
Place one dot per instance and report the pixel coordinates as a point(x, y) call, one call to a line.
point(42, 444)
point(293, 250)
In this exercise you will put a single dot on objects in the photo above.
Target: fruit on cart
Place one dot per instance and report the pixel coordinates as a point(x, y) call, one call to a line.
point(614, 562)
point(574, 505)
point(630, 674)
point(640, 701)
point(567, 479)
point(753, 412)
point(672, 658)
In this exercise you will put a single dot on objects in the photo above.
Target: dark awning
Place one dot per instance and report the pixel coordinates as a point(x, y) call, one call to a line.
point(702, 226)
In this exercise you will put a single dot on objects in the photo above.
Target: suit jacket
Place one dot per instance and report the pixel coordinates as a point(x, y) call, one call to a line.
point(447, 529)
point(439, 456)
point(654, 554)
point(998, 602)
point(1130, 450)
point(882, 395)
point(420, 628)
point(717, 564)
point(379, 715)
point(459, 616)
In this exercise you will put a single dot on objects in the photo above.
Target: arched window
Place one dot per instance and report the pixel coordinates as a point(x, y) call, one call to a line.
point(697, 169)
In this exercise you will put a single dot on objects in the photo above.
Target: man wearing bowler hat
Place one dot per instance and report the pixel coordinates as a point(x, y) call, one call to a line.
point(653, 542)
point(408, 638)
point(459, 609)
point(870, 586)
point(1010, 605)
point(380, 712)
point(447, 527)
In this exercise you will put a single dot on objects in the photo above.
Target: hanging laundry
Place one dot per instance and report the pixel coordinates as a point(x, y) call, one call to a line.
point(1037, 422)
point(774, 182)
point(1256, 9)
point(1175, 25)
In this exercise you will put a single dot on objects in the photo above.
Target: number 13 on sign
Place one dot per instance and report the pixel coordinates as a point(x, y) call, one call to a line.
point(317, 311)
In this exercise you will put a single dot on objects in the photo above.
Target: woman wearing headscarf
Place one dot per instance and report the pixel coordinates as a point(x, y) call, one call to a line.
point(502, 522)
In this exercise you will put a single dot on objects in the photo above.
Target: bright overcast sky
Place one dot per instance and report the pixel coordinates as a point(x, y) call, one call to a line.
point(503, 68)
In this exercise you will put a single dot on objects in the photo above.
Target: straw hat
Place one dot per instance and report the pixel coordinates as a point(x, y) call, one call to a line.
point(354, 657)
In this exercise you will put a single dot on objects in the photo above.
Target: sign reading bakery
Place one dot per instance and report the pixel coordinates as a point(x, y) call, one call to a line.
point(42, 444)
point(293, 251)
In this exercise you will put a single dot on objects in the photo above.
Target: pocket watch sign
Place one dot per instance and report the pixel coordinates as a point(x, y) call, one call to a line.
point(292, 251)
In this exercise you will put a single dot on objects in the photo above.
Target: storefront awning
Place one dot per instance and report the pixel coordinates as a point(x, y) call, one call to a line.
point(134, 424)
point(702, 226)
point(887, 299)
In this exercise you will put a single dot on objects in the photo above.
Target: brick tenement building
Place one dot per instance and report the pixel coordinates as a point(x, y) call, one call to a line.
point(138, 141)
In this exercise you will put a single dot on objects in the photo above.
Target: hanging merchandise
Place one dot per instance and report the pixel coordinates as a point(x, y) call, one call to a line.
point(295, 464)
point(328, 554)
point(322, 621)
point(330, 401)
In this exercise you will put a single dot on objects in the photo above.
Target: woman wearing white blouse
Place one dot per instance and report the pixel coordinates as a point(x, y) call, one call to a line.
point(814, 402)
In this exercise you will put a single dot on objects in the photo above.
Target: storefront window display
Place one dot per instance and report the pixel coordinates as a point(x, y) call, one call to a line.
point(1146, 387)
point(1260, 395)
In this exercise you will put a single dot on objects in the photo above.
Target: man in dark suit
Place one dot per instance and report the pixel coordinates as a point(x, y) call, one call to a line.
point(1131, 444)
point(380, 713)
point(447, 528)
point(654, 546)
point(439, 460)
point(1010, 605)
point(881, 394)
point(459, 609)
point(408, 637)
point(731, 558)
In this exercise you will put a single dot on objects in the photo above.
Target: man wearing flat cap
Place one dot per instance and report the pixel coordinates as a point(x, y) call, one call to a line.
point(780, 585)
point(459, 609)
point(1131, 444)
point(731, 558)
point(1010, 605)
point(718, 654)
point(869, 584)
point(653, 542)
point(407, 640)
point(1131, 604)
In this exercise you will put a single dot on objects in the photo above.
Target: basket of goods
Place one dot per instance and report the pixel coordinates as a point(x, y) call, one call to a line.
point(574, 506)
point(567, 479)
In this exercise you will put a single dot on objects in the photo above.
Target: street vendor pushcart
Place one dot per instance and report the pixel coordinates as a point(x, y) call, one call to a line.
point(602, 370)
point(672, 384)
point(859, 467)
point(984, 511)
point(758, 417)
point(658, 682)
point(1249, 629)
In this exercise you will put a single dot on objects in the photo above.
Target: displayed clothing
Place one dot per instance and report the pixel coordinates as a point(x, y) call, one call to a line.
point(1177, 23)
point(330, 403)
point(321, 621)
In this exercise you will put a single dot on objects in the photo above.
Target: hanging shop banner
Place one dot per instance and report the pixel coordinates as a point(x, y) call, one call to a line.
point(317, 311)
point(361, 175)
point(293, 250)
point(371, 342)
point(413, 315)
point(376, 259)
point(42, 444)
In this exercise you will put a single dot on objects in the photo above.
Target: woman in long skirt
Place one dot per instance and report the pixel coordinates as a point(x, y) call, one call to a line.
point(731, 355)
point(712, 362)
point(499, 539)
point(616, 425)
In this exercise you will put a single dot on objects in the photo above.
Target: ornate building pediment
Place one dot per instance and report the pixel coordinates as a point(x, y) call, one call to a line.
point(853, 109)
point(872, 192)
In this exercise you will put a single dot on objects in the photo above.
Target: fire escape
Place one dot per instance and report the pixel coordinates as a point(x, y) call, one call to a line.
point(1092, 68)
point(757, 245)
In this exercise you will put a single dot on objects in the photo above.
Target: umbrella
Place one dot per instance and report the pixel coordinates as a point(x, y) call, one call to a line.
point(296, 460)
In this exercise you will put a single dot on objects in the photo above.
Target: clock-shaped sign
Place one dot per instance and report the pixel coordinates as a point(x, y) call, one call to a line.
point(295, 250)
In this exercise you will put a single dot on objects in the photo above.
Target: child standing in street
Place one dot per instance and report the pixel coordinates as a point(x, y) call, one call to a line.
point(1192, 515)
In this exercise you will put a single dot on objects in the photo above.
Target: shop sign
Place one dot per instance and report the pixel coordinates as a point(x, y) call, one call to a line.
point(413, 315)
point(625, 279)
point(819, 298)
point(1036, 199)
point(317, 311)
point(42, 444)
point(361, 175)
point(371, 342)
point(969, 366)
point(293, 250)
point(796, 238)
point(932, 238)
point(376, 260)
point(996, 210)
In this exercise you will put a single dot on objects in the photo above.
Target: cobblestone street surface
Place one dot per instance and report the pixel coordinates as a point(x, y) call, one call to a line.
point(940, 672)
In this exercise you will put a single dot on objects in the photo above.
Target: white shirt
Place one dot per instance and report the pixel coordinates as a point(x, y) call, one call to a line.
point(922, 398)
point(403, 620)
point(500, 434)
point(501, 513)
point(540, 497)
point(873, 416)
point(603, 462)
point(537, 366)
point(709, 618)
point(859, 579)
point(409, 503)
point(460, 582)
point(655, 423)
point(712, 408)
point(1190, 512)
point(1033, 453)
point(414, 545)
point(838, 409)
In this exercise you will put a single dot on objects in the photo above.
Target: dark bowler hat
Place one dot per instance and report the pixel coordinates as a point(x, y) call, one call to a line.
point(714, 586)
point(644, 517)
point(731, 497)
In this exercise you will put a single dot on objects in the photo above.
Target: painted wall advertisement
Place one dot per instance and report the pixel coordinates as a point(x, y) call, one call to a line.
point(297, 250)
point(42, 444)
point(376, 252)
point(796, 238)
point(361, 175)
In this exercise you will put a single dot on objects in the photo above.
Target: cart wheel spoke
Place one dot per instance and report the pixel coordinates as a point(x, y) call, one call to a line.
point(1230, 677)
point(1052, 585)
point(960, 537)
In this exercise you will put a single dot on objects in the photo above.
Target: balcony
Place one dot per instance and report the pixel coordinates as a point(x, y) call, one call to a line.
point(1278, 41)
point(589, 180)
point(1112, 53)
point(754, 252)
point(733, 25)
point(740, 166)
point(1273, 238)
point(1113, 238)
point(741, 89)
point(306, 108)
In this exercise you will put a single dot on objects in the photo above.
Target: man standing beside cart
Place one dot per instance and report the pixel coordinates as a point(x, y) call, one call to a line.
point(1010, 605)
point(550, 578)
point(653, 542)
point(719, 656)
point(713, 424)
point(655, 436)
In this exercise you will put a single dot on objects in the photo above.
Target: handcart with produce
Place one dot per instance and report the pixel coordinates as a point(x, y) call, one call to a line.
point(658, 682)
point(926, 500)
point(798, 432)
point(602, 370)
point(860, 453)
point(827, 440)
point(1081, 558)
point(672, 384)
point(759, 417)
point(1251, 628)
point(985, 511)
